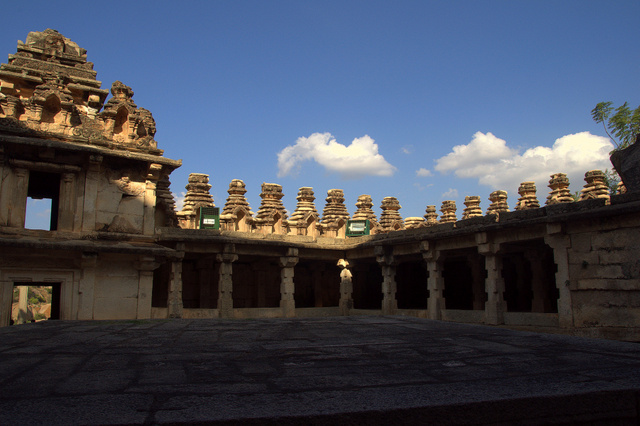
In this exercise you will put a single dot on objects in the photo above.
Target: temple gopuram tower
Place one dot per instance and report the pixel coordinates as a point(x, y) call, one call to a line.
point(237, 214)
point(99, 167)
point(272, 216)
point(304, 220)
point(334, 215)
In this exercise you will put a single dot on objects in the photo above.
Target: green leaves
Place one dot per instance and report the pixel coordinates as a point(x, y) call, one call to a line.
point(624, 123)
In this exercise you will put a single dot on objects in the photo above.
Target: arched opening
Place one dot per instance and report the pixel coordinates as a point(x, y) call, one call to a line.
point(121, 125)
point(51, 109)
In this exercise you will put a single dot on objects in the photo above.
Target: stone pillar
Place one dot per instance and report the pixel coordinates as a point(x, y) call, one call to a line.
point(67, 202)
point(91, 194)
point(540, 302)
point(495, 306)
point(435, 282)
point(287, 286)
point(387, 263)
point(86, 285)
point(146, 265)
point(18, 201)
point(175, 306)
point(346, 288)
point(560, 243)
point(23, 304)
point(149, 219)
point(225, 281)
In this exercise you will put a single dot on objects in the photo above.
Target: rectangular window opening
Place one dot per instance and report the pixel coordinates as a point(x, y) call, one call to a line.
point(42, 201)
point(33, 302)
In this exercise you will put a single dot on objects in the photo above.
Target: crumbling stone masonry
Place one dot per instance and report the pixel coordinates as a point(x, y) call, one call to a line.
point(117, 249)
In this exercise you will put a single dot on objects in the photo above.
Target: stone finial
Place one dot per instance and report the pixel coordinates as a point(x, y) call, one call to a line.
point(448, 210)
point(272, 216)
point(431, 217)
point(559, 185)
point(237, 214)
point(197, 193)
point(472, 203)
point(305, 217)
point(595, 186)
point(413, 222)
point(498, 202)
point(390, 219)
point(365, 212)
point(335, 214)
point(528, 199)
point(197, 196)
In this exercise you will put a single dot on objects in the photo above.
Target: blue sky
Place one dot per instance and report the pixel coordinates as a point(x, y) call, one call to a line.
point(422, 100)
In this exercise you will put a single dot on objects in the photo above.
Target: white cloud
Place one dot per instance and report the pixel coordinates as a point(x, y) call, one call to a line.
point(359, 159)
point(422, 172)
point(489, 159)
point(451, 193)
point(407, 149)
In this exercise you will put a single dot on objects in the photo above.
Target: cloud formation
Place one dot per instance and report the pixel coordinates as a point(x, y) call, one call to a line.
point(489, 159)
point(451, 193)
point(422, 172)
point(359, 159)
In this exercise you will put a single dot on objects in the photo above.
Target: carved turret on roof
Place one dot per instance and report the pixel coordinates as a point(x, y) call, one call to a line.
point(197, 196)
point(272, 216)
point(431, 216)
point(364, 211)
point(335, 215)
point(448, 210)
point(595, 186)
point(166, 204)
point(528, 199)
point(498, 202)
point(48, 89)
point(559, 185)
point(472, 209)
point(237, 214)
point(413, 222)
point(390, 219)
point(304, 220)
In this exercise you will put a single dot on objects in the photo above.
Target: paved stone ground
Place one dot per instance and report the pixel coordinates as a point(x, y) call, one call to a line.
point(342, 370)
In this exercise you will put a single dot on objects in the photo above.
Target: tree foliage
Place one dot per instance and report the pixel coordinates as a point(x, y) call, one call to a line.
point(624, 123)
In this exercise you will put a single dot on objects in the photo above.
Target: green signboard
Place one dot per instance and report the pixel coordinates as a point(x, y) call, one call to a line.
point(209, 218)
point(356, 228)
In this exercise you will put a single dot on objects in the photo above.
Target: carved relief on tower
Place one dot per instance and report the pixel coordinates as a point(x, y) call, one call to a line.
point(48, 88)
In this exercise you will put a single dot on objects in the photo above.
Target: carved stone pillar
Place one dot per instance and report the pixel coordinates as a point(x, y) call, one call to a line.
point(435, 282)
point(86, 285)
point(287, 286)
point(174, 302)
point(540, 302)
point(146, 265)
point(91, 194)
point(18, 201)
point(389, 286)
point(225, 281)
point(67, 202)
point(495, 306)
point(346, 288)
point(560, 243)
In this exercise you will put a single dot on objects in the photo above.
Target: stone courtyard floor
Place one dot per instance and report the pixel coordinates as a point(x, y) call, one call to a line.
point(339, 370)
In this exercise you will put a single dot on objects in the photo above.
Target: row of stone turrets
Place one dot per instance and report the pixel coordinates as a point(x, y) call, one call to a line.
point(305, 220)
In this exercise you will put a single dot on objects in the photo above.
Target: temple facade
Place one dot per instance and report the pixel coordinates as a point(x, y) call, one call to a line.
point(118, 249)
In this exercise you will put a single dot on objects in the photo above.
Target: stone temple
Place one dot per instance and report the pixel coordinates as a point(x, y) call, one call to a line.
point(118, 249)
